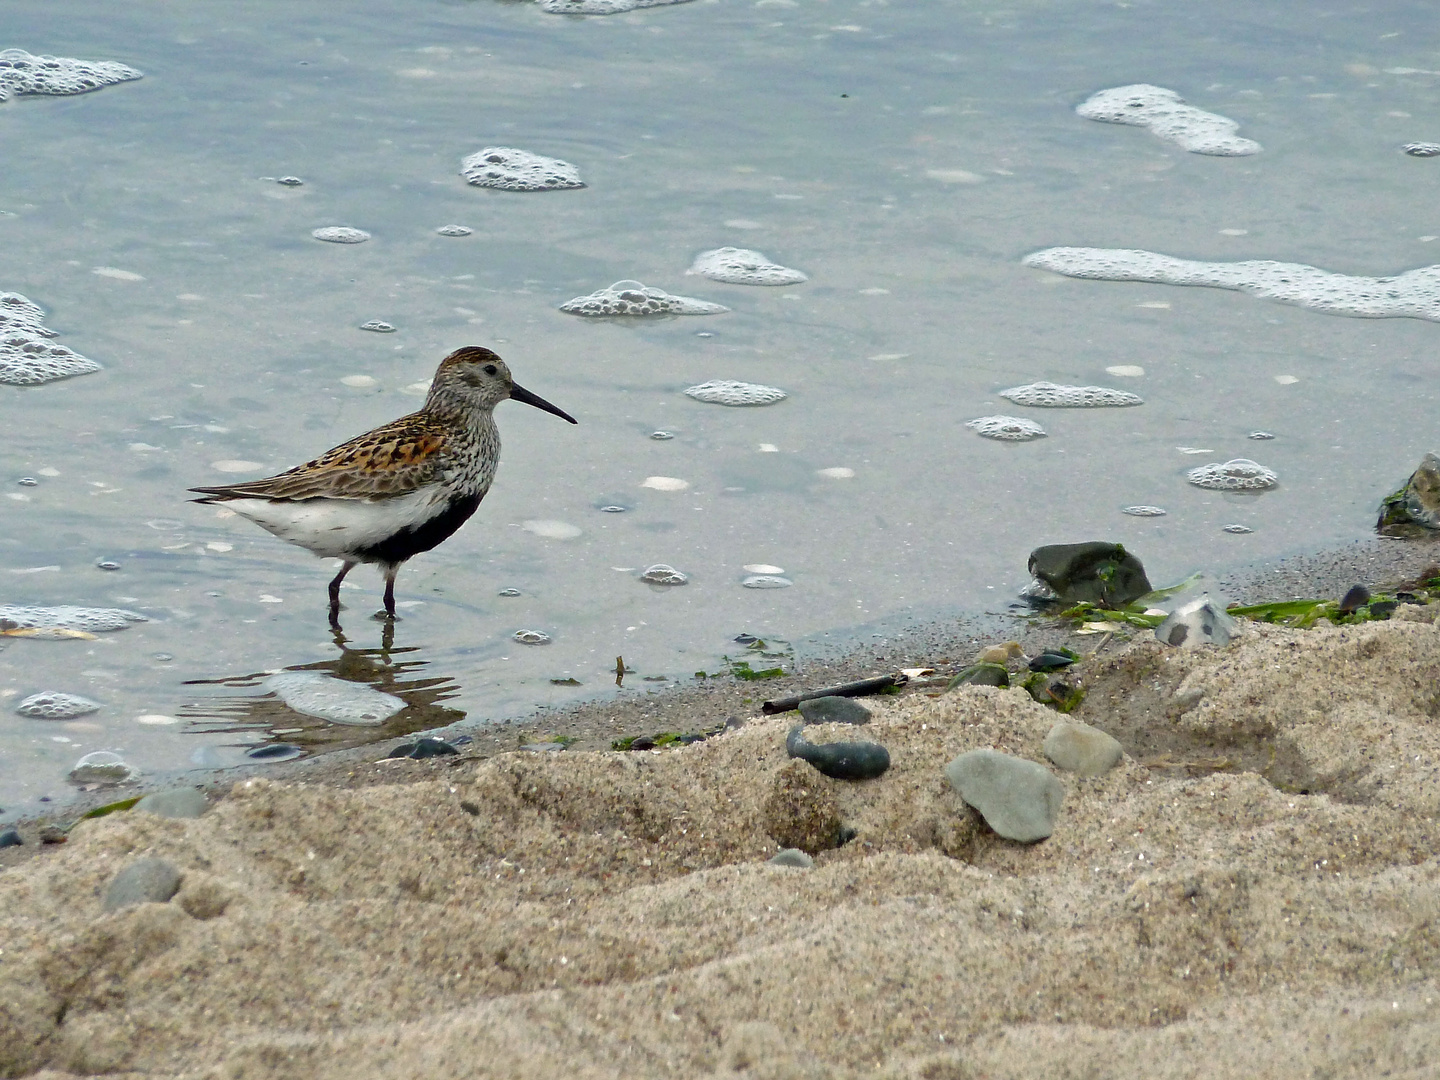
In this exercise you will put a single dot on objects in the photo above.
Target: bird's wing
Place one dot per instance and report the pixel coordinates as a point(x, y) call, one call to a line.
point(396, 459)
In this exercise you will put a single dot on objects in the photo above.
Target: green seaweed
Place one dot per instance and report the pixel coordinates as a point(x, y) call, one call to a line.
point(111, 808)
point(1132, 614)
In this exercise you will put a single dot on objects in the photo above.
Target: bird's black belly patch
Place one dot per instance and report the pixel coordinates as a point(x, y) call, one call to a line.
point(422, 537)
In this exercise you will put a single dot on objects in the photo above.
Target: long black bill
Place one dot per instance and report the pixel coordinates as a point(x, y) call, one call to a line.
point(519, 393)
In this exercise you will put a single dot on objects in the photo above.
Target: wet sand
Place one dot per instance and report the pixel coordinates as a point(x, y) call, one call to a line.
point(1251, 891)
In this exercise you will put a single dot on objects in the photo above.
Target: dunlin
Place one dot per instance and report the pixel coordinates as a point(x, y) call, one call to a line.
point(398, 490)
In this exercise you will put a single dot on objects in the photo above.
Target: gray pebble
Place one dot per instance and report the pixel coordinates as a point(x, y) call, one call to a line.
point(144, 881)
point(1082, 749)
point(791, 856)
point(839, 760)
point(1203, 621)
point(185, 802)
point(834, 710)
point(10, 838)
point(1019, 799)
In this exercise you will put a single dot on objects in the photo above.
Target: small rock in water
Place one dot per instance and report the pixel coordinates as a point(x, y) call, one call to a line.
point(101, 767)
point(791, 856)
point(1019, 799)
point(454, 230)
point(532, 637)
point(741, 266)
point(23, 73)
point(275, 752)
point(765, 581)
point(834, 710)
point(144, 881)
point(841, 760)
point(378, 327)
point(1200, 622)
point(1006, 428)
point(730, 392)
point(1082, 749)
point(1048, 395)
point(509, 169)
point(663, 574)
point(1238, 474)
point(1143, 511)
point(631, 297)
point(340, 701)
point(1422, 149)
point(340, 234)
point(184, 802)
point(427, 746)
point(10, 837)
point(290, 181)
point(1237, 529)
point(27, 357)
point(54, 705)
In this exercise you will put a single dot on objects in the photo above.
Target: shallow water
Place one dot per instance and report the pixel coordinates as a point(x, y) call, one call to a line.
point(905, 158)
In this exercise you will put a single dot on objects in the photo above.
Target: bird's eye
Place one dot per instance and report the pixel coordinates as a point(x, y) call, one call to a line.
point(490, 369)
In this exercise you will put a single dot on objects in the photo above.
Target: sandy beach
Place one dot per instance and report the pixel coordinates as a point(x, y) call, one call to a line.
point(1251, 891)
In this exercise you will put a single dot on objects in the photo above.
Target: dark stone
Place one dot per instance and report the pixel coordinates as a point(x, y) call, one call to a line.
point(144, 881)
point(1383, 609)
point(426, 747)
point(791, 856)
point(1050, 661)
point(842, 760)
point(1354, 599)
point(279, 751)
point(1096, 572)
point(643, 742)
point(185, 802)
point(834, 710)
point(1414, 510)
point(10, 838)
point(981, 675)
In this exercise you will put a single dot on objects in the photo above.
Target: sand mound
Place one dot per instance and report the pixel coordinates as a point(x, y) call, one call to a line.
point(1251, 892)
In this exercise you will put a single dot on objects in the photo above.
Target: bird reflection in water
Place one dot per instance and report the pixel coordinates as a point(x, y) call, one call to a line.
point(268, 723)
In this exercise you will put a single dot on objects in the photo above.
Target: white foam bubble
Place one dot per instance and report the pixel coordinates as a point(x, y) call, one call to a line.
point(551, 530)
point(839, 472)
point(665, 483)
point(340, 234)
point(454, 230)
point(1127, 371)
point(23, 73)
point(117, 274)
point(600, 7)
point(27, 358)
point(762, 568)
point(55, 705)
point(766, 581)
point(314, 693)
point(66, 617)
point(1048, 395)
point(634, 298)
point(102, 767)
point(1143, 511)
point(378, 326)
point(730, 392)
point(531, 637)
point(663, 574)
point(1238, 474)
point(509, 169)
point(1165, 113)
point(1007, 428)
point(360, 382)
point(741, 266)
point(1414, 294)
point(1422, 149)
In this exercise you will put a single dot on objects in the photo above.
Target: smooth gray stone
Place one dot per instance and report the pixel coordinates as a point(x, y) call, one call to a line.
point(834, 710)
point(791, 856)
point(144, 881)
point(1082, 749)
point(1202, 621)
point(1019, 799)
point(185, 802)
point(839, 760)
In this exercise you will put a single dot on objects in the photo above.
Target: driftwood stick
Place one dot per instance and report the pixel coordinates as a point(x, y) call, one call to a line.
point(850, 689)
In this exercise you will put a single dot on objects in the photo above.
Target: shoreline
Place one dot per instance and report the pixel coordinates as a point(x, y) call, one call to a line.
point(945, 644)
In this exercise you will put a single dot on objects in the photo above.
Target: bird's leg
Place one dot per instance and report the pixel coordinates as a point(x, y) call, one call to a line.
point(390, 572)
point(335, 595)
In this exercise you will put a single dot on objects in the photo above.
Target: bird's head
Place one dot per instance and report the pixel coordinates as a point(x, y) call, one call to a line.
point(478, 378)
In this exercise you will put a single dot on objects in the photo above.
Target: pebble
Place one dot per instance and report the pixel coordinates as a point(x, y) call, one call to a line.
point(275, 752)
point(185, 802)
point(10, 838)
point(1019, 799)
point(426, 746)
point(834, 710)
point(840, 760)
point(984, 674)
point(1050, 661)
point(791, 856)
point(1082, 749)
point(1200, 622)
point(144, 881)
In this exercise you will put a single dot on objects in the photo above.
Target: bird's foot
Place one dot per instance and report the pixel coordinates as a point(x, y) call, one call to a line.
point(385, 616)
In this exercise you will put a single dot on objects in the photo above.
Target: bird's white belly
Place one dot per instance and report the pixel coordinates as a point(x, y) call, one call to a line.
point(337, 528)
